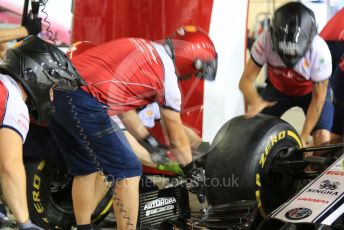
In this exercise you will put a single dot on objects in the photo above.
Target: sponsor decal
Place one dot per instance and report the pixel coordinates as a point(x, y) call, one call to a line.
point(159, 205)
point(322, 191)
point(329, 185)
point(313, 200)
point(322, 61)
point(335, 173)
point(306, 63)
point(298, 213)
point(289, 48)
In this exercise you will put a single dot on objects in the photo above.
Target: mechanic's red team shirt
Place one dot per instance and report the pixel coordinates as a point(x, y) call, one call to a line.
point(13, 110)
point(314, 66)
point(128, 73)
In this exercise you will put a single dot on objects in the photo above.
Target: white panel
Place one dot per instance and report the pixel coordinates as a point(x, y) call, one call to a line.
point(320, 10)
point(222, 98)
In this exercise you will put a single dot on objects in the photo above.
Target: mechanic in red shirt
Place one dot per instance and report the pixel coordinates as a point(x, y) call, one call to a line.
point(117, 77)
point(298, 68)
point(121, 76)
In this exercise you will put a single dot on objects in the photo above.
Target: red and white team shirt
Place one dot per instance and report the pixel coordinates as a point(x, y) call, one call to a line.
point(314, 66)
point(148, 116)
point(13, 110)
point(129, 73)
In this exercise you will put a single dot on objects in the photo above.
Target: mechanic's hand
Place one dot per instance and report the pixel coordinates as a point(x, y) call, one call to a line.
point(158, 154)
point(33, 25)
point(304, 141)
point(195, 181)
point(257, 106)
point(195, 178)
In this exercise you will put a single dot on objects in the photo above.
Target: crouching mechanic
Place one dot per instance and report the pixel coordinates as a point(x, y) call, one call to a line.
point(148, 114)
point(24, 79)
point(128, 73)
point(299, 66)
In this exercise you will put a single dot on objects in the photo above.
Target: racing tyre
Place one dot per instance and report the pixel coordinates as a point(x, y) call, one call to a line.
point(49, 196)
point(243, 163)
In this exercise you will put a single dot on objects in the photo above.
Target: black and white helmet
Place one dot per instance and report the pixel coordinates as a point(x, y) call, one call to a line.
point(39, 67)
point(292, 30)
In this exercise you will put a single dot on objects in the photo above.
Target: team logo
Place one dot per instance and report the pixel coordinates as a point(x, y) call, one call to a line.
point(298, 213)
point(160, 205)
point(329, 185)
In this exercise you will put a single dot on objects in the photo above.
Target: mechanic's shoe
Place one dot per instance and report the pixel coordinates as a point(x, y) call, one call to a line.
point(195, 182)
point(171, 166)
point(5, 223)
point(28, 226)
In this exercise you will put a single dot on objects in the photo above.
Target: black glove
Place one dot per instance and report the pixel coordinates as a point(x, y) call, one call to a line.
point(158, 154)
point(33, 26)
point(195, 179)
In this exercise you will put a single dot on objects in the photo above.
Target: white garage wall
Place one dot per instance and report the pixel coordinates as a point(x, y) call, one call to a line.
point(222, 98)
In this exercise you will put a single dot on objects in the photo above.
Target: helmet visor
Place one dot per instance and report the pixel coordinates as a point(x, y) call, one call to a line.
point(208, 70)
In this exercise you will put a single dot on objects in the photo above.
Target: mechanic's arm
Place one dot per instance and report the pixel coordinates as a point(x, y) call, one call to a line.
point(133, 124)
point(179, 141)
point(194, 139)
point(32, 26)
point(314, 110)
point(247, 86)
point(3, 48)
point(12, 34)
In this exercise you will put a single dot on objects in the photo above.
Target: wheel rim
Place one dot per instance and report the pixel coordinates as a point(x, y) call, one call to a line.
point(61, 190)
point(279, 185)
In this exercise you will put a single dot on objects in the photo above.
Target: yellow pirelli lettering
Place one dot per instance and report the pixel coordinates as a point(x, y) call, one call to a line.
point(38, 207)
point(35, 196)
point(296, 137)
point(262, 160)
point(268, 147)
point(36, 182)
point(260, 206)
point(274, 140)
point(258, 180)
point(281, 135)
point(41, 165)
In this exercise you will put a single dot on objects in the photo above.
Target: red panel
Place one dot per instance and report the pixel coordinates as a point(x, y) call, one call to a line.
point(334, 29)
point(103, 20)
point(99, 21)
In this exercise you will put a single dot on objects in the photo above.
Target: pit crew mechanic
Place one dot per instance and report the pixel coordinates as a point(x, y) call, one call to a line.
point(13, 130)
point(299, 66)
point(138, 72)
point(148, 114)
